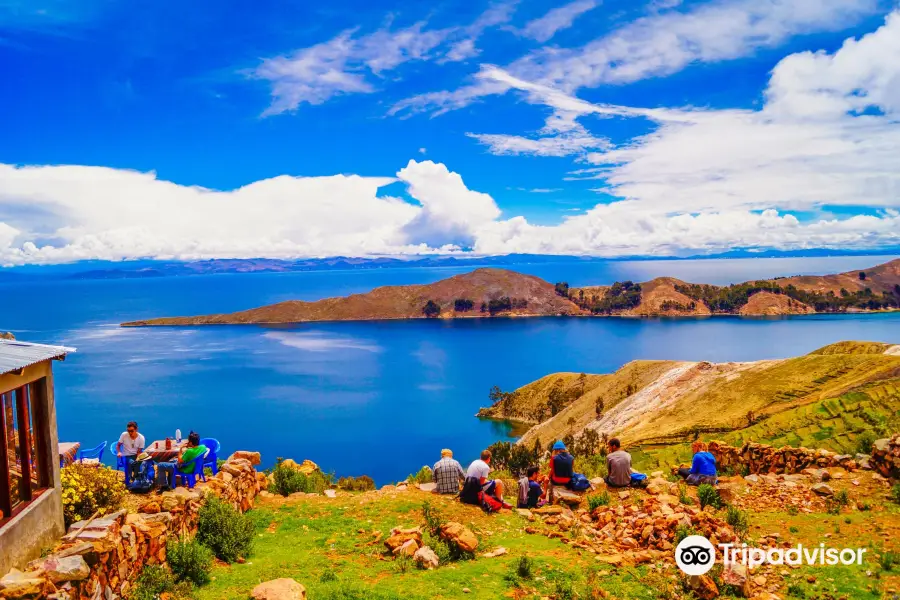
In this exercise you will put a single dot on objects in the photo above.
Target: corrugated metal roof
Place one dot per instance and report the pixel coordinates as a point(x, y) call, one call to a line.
point(15, 355)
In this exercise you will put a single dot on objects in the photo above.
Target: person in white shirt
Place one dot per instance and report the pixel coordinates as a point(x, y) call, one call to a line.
point(131, 443)
point(480, 469)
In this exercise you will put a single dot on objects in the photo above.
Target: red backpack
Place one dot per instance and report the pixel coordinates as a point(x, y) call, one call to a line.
point(490, 504)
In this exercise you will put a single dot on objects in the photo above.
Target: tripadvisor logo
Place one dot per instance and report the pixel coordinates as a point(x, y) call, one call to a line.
point(695, 555)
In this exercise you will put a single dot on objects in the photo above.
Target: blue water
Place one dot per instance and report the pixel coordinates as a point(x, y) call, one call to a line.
point(380, 398)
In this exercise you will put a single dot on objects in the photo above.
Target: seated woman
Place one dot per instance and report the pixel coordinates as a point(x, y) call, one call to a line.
point(562, 465)
point(703, 466)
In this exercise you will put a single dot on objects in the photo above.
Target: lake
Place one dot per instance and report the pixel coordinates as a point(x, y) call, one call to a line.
point(376, 398)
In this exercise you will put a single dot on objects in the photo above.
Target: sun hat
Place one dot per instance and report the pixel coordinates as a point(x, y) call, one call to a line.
point(447, 452)
point(559, 445)
point(142, 456)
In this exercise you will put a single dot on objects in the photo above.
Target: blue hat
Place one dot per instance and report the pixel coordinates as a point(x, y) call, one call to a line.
point(559, 446)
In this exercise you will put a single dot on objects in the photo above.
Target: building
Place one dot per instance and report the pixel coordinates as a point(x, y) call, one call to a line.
point(31, 514)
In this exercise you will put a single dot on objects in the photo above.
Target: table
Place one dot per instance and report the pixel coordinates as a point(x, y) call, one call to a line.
point(158, 452)
point(68, 451)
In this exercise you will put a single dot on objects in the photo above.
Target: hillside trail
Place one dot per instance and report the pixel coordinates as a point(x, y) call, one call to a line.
point(636, 413)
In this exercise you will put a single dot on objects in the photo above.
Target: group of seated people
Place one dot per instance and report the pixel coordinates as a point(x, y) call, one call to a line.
point(535, 488)
point(131, 446)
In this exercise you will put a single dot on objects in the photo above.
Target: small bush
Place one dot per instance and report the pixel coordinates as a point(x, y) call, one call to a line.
point(793, 529)
point(865, 441)
point(423, 476)
point(327, 576)
point(683, 531)
point(842, 497)
point(708, 496)
point(864, 506)
point(403, 563)
point(227, 532)
point(796, 591)
point(189, 560)
point(832, 506)
point(887, 560)
point(287, 480)
point(524, 568)
point(739, 521)
point(683, 496)
point(895, 493)
point(564, 590)
point(363, 483)
point(598, 500)
point(156, 580)
point(87, 489)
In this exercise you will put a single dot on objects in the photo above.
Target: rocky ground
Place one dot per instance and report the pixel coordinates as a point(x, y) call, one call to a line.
point(355, 545)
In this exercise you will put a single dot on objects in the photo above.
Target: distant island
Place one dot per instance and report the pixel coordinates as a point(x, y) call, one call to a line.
point(489, 292)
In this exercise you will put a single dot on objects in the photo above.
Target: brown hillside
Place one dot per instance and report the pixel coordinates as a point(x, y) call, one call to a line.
point(769, 304)
point(401, 302)
point(882, 278)
point(659, 297)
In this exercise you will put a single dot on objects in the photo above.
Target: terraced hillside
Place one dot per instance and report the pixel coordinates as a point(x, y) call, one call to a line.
point(667, 402)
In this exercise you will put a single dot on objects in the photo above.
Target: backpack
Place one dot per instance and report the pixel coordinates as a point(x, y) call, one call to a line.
point(142, 480)
point(638, 480)
point(489, 503)
point(471, 492)
point(523, 492)
point(579, 483)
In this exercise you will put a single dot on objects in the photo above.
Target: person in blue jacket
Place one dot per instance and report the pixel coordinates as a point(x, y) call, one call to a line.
point(703, 466)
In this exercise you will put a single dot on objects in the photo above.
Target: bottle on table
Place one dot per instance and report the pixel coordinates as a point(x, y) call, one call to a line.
point(178, 436)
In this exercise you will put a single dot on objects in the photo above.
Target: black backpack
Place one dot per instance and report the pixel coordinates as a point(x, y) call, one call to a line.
point(142, 477)
point(471, 492)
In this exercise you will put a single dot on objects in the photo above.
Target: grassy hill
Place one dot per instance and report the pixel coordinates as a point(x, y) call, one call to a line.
point(669, 401)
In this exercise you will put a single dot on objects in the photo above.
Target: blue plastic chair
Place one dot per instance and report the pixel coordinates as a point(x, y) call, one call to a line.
point(212, 457)
point(92, 456)
point(197, 471)
point(121, 464)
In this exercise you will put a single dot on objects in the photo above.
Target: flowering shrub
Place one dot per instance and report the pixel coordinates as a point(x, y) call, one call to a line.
point(87, 489)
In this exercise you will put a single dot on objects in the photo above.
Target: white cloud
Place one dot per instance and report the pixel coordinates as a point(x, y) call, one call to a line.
point(423, 150)
point(347, 63)
point(826, 142)
point(660, 44)
point(558, 145)
point(557, 19)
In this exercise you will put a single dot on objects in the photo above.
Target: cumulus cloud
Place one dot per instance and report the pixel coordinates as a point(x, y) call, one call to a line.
point(816, 166)
point(557, 19)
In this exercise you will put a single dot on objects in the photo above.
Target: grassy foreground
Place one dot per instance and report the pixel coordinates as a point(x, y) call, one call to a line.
point(331, 547)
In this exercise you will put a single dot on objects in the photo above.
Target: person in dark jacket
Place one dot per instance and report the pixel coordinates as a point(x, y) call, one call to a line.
point(703, 466)
point(562, 465)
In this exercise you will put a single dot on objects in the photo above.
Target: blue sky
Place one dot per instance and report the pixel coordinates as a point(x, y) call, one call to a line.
point(301, 128)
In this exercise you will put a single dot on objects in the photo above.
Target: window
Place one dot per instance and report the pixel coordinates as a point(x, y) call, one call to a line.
point(24, 465)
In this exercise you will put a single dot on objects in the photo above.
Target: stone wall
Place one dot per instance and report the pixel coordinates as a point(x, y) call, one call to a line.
point(763, 459)
point(100, 559)
point(886, 457)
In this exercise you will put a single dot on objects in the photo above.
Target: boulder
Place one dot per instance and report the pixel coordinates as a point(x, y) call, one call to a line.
point(253, 457)
point(823, 489)
point(566, 496)
point(407, 548)
point(427, 487)
point(659, 485)
point(735, 574)
point(426, 558)
point(548, 510)
point(330, 493)
point(495, 553)
point(150, 508)
point(279, 589)
point(60, 570)
point(703, 587)
point(459, 535)
point(401, 536)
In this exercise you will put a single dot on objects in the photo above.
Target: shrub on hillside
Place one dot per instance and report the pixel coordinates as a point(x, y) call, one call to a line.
point(424, 475)
point(363, 483)
point(224, 530)
point(189, 560)
point(446, 551)
point(865, 441)
point(87, 489)
point(739, 521)
point(155, 581)
point(598, 500)
point(287, 480)
point(895, 493)
point(708, 496)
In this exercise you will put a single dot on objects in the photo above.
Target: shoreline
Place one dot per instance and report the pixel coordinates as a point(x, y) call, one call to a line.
point(139, 324)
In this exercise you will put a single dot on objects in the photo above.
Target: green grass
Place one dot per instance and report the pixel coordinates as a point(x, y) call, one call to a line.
point(306, 539)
